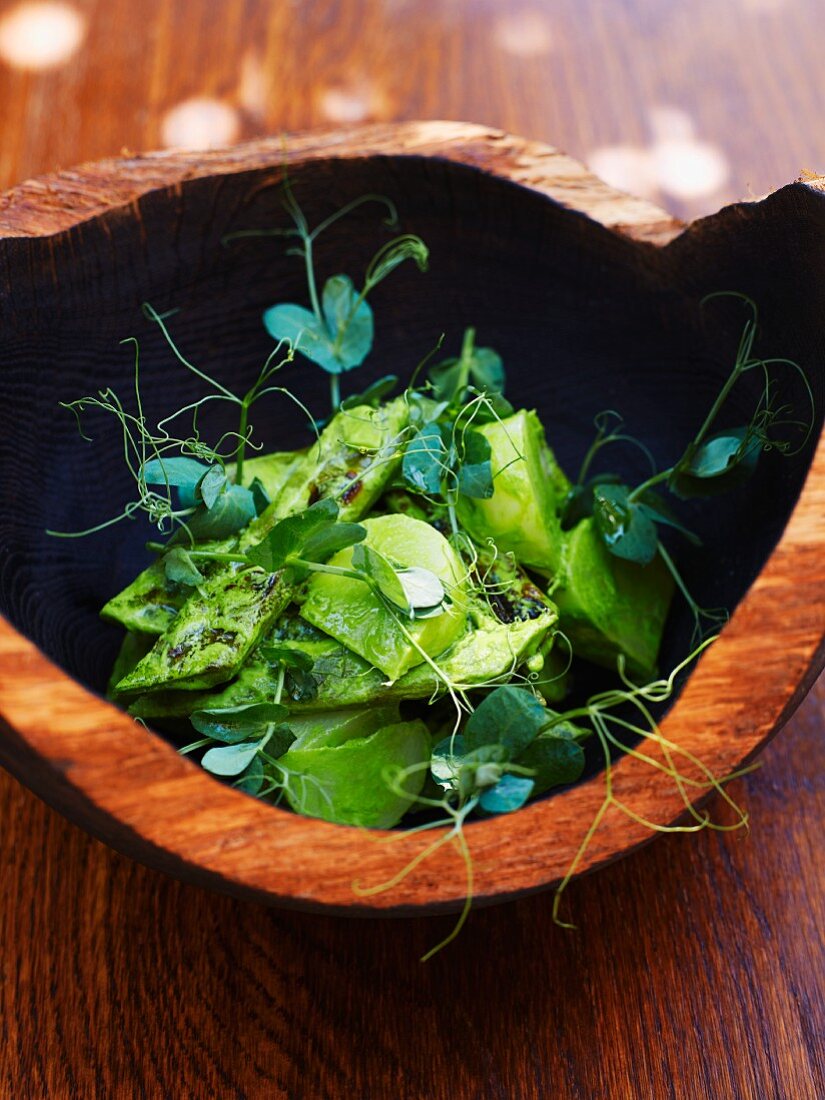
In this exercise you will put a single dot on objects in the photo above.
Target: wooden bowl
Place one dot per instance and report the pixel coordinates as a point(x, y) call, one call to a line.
point(593, 299)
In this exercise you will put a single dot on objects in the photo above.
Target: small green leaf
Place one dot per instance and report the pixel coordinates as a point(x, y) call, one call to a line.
point(658, 510)
point(350, 327)
point(302, 329)
point(624, 527)
point(475, 474)
point(509, 794)
point(423, 465)
point(328, 541)
point(231, 511)
point(381, 572)
point(446, 762)
point(721, 463)
point(481, 367)
point(288, 538)
point(252, 779)
point(180, 567)
point(230, 759)
point(212, 485)
point(234, 724)
point(259, 495)
point(509, 716)
point(180, 472)
point(578, 504)
point(556, 760)
point(487, 370)
point(496, 407)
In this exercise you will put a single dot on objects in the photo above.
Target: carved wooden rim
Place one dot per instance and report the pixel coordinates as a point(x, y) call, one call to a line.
point(67, 743)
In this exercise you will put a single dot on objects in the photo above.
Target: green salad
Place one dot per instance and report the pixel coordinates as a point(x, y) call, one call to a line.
point(381, 624)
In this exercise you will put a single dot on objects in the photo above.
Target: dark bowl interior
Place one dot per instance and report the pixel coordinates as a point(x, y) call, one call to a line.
point(585, 320)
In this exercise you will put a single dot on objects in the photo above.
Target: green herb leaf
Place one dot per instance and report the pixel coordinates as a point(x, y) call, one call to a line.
point(234, 724)
point(475, 474)
point(212, 485)
point(509, 794)
point(658, 510)
point(288, 538)
point(721, 463)
point(231, 511)
point(381, 572)
point(423, 465)
point(328, 541)
point(259, 495)
point(230, 759)
point(180, 568)
point(509, 716)
point(182, 472)
point(302, 329)
point(252, 779)
point(496, 407)
point(623, 525)
point(481, 367)
point(446, 762)
point(301, 686)
point(556, 760)
point(578, 504)
point(350, 326)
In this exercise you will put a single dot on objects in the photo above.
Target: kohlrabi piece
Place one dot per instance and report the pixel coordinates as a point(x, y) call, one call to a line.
point(217, 628)
point(609, 606)
point(521, 516)
point(347, 783)
point(348, 610)
point(352, 462)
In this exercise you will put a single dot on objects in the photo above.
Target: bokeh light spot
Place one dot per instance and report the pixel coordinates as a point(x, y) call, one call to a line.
point(40, 34)
point(200, 123)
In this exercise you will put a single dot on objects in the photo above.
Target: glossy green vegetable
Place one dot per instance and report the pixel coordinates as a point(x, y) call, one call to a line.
point(348, 783)
point(608, 606)
point(521, 515)
point(221, 623)
point(350, 611)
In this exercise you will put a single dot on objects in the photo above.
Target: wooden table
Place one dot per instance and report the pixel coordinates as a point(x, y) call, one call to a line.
point(698, 968)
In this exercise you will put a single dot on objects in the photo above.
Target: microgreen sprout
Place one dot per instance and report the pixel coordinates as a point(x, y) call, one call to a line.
point(336, 332)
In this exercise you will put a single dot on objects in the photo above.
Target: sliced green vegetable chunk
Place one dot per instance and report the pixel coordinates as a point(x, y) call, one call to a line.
point(347, 609)
point(348, 783)
point(219, 625)
point(521, 515)
point(352, 462)
point(609, 606)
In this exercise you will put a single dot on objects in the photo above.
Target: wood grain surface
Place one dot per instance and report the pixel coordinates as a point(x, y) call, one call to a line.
point(697, 970)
